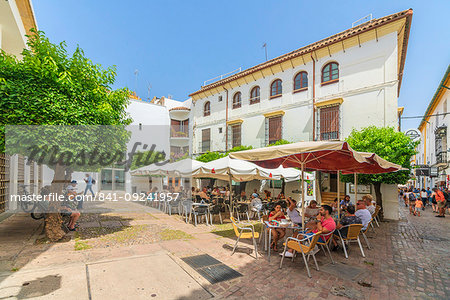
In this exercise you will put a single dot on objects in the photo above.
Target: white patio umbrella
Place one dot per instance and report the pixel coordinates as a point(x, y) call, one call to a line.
point(182, 168)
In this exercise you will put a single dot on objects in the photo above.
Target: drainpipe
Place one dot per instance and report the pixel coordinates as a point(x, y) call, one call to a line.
point(314, 98)
point(226, 126)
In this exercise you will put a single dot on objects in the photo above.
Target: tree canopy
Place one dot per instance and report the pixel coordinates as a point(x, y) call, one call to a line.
point(389, 144)
point(210, 156)
point(50, 87)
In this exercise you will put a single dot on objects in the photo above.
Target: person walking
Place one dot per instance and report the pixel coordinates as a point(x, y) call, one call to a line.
point(89, 182)
point(412, 202)
point(428, 196)
point(418, 206)
point(424, 198)
point(440, 202)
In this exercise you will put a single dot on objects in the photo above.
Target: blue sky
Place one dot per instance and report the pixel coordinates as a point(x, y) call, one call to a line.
point(177, 45)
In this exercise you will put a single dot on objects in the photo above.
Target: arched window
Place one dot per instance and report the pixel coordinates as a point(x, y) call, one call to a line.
point(275, 88)
point(330, 72)
point(254, 95)
point(237, 100)
point(207, 109)
point(300, 81)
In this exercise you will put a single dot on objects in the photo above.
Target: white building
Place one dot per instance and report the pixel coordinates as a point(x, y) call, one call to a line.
point(318, 92)
point(434, 144)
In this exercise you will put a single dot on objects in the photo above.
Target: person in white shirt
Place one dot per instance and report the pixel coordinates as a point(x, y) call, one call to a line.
point(363, 214)
point(293, 212)
point(256, 204)
point(369, 204)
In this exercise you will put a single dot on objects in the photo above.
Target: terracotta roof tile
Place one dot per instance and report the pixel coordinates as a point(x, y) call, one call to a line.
point(324, 42)
point(179, 108)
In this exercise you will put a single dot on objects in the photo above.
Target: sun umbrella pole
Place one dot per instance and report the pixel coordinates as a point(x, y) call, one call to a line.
point(338, 195)
point(356, 187)
point(303, 199)
point(230, 182)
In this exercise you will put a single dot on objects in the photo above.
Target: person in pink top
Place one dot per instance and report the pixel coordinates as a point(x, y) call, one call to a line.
point(324, 223)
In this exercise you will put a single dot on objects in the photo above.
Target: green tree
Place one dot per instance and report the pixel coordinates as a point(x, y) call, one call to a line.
point(210, 156)
point(50, 87)
point(389, 144)
point(279, 142)
point(238, 148)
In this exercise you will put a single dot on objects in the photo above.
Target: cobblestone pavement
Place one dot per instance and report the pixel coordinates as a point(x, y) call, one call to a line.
point(408, 259)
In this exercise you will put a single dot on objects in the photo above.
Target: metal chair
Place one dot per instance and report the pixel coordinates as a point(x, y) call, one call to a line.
point(242, 209)
point(363, 232)
point(375, 215)
point(187, 208)
point(326, 243)
point(200, 211)
point(239, 230)
point(306, 250)
point(174, 204)
point(216, 210)
point(353, 232)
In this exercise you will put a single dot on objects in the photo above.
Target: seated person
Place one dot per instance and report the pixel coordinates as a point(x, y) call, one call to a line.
point(267, 194)
point(243, 196)
point(277, 233)
point(324, 223)
point(363, 213)
point(69, 205)
point(256, 204)
point(203, 194)
point(152, 194)
point(215, 191)
point(334, 205)
point(348, 219)
point(369, 204)
point(293, 212)
point(255, 191)
point(345, 202)
point(312, 210)
point(281, 196)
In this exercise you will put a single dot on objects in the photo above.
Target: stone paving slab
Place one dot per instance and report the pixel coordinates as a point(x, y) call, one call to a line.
point(156, 276)
point(64, 283)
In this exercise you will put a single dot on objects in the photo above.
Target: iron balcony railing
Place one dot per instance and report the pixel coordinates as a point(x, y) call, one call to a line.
point(441, 158)
point(179, 131)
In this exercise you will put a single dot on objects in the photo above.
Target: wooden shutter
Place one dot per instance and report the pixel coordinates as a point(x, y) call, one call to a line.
point(21, 169)
point(4, 180)
point(206, 137)
point(274, 129)
point(236, 135)
point(32, 191)
point(329, 123)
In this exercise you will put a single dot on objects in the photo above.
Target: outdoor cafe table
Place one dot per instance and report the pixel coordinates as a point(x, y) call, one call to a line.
point(268, 227)
point(207, 207)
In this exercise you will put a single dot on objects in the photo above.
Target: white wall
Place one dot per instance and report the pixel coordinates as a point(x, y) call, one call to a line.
point(367, 83)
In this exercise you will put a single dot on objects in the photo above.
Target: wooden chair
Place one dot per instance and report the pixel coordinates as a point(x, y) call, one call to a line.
point(326, 243)
point(363, 232)
point(306, 250)
point(244, 231)
point(375, 215)
point(352, 235)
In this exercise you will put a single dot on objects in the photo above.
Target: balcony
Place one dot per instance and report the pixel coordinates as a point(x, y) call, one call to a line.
point(177, 131)
point(441, 158)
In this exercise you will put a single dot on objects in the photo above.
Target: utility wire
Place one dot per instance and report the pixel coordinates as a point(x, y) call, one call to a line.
point(421, 117)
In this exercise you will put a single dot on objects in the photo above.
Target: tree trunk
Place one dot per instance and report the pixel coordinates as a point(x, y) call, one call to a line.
point(53, 221)
point(378, 197)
